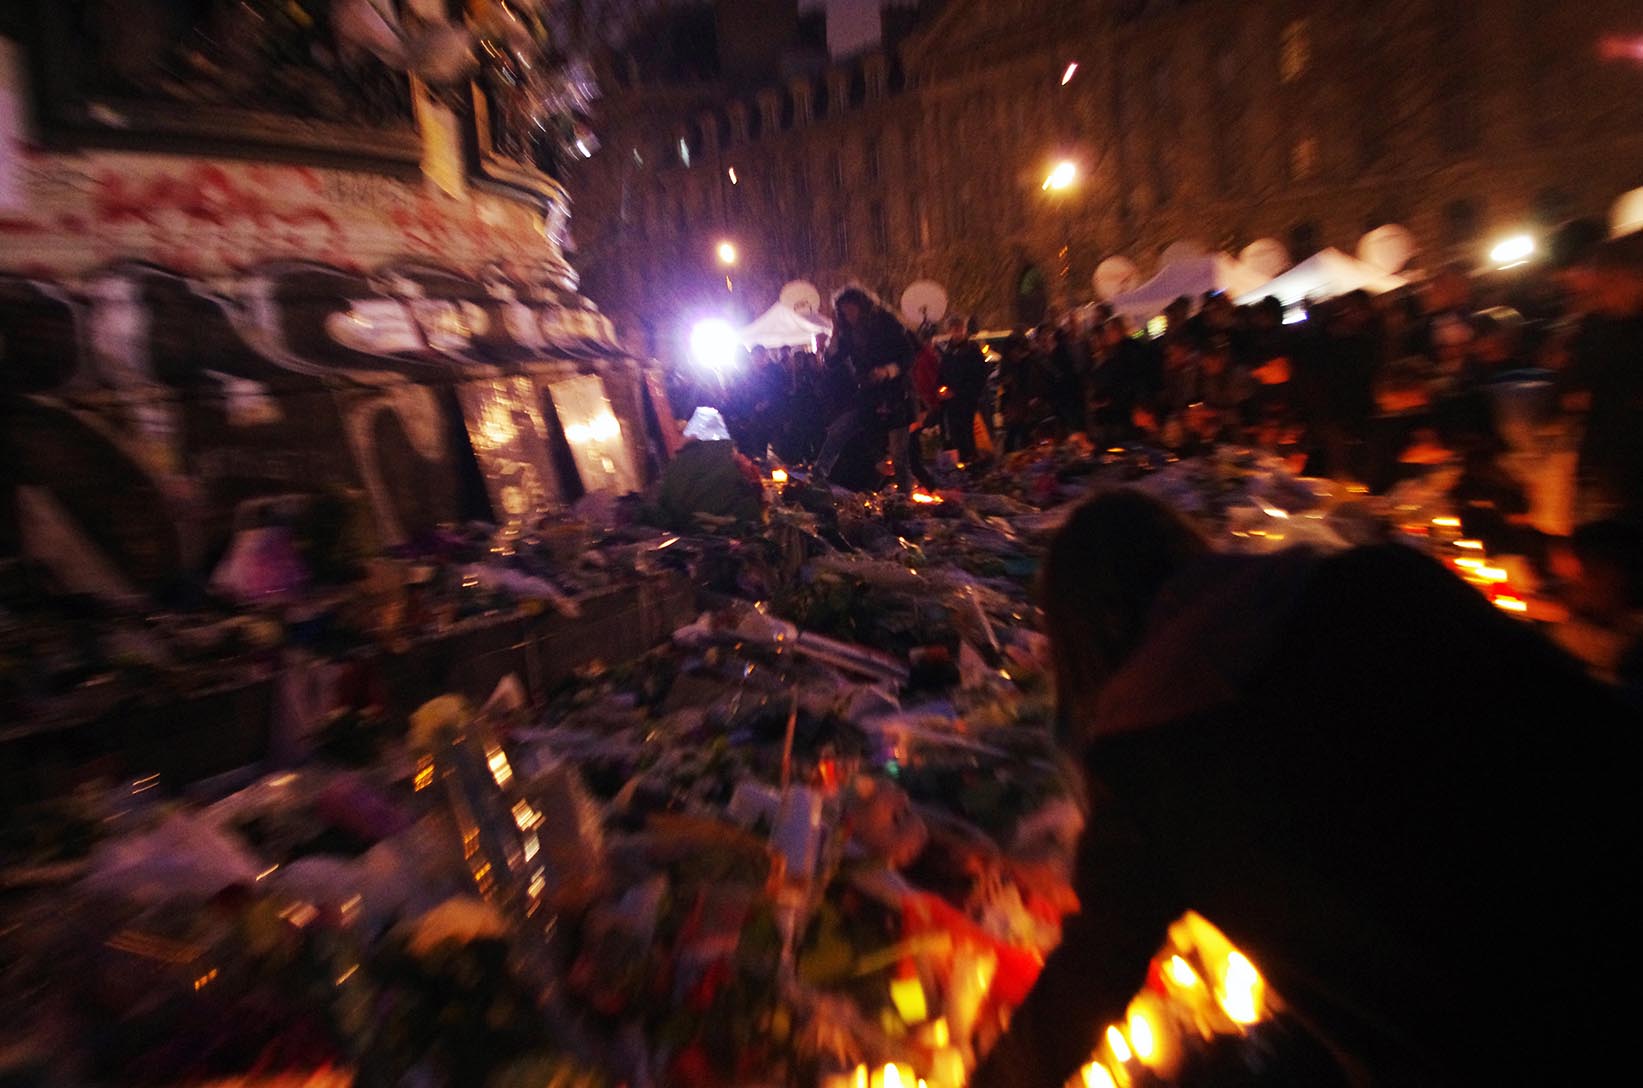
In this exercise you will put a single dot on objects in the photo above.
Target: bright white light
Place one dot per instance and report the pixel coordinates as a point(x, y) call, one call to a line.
point(684, 152)
point(727, 253)
point(1062, 177)
point(734, 180)
point(713, 344)
point(1512, 251)
point(1067, 76)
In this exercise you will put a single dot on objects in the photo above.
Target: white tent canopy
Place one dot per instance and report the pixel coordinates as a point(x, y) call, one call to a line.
point(1192, 277)
point(781, 326)
point(1325, 274)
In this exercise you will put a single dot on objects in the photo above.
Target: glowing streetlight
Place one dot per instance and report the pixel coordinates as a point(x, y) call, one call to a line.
point(714, 344)
point(1513, 251)
point(1062, 177)
point(727, 254)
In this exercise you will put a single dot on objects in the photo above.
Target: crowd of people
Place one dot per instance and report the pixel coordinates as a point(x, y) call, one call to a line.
point(1522, 392)
point(1457, 371)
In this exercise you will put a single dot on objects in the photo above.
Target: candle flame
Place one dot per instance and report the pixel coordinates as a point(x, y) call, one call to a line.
point(1120, 1045)
point(1446, 523)
point(1181, 973)
point(1507, 603)
point(1241, 990)
point(1096, 1075)
point(1142, 1038)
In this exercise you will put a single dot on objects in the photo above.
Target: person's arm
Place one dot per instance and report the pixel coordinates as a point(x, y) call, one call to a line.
point(1087, 983)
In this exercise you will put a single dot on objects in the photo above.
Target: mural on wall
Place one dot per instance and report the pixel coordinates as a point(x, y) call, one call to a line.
point(219, 216)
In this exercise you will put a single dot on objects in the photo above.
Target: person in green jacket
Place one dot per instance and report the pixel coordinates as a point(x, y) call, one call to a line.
point(707, 477)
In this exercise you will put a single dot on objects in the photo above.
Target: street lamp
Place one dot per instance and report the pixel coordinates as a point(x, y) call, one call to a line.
point(1062, 177)
point(727, 260)
point(1513, 251)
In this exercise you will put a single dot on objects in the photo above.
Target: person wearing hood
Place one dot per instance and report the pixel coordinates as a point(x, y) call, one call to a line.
point(707, 477)
point(1404, 807)
point(881, 350)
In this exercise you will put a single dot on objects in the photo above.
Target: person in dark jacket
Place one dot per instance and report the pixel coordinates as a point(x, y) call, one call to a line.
point(1404, 807)
point(1015, 391)
point(1605, 377)
point(881, 351)
point(963, 380)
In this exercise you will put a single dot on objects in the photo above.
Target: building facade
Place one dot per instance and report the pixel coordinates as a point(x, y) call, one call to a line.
point(1215, 122)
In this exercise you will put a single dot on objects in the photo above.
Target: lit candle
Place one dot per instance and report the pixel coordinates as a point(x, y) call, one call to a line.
point(1241, 990)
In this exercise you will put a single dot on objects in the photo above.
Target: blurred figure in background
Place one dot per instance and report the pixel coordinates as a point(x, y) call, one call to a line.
point(963, 381)
point(1604, 381)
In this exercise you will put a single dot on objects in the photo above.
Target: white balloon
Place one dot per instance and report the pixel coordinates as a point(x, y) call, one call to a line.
point(801, 296)
point(1267, 257)
point(1387, 248)
point(1114, 276)
point(1628, 214)
point(924, 300)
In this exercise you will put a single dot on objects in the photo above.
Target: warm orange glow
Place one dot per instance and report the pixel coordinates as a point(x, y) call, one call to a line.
point(925, 497)
point(1120, 1045)
point(1470, 545)
point(907, 994)
point(892, 1077)
point(1507, 603)
point(1492, 574)
point(1241, 989)
point(1096, 1075)
point(1143, 1039)
point(1470, 564)
point(778, 476)
point(1181, 973)
point(1446, 523)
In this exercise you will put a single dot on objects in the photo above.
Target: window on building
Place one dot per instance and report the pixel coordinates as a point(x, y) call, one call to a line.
point(1163, 180)
point(878, 225)
point(871, 160)
point(1462, 222)
point(920, 221)
point(1294, 50)
point(804, 251)
point(1303, 159)
point(1303, 240)
point(1459, 118)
